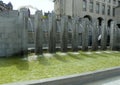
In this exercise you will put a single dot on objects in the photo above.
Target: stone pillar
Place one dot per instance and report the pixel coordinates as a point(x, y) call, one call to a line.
point(85, 34)
point(80, 33)
point(52, 33)
point(118, 38)
point(23, 21)
point(38, 33)
point(75, 26)
point(113, 36)
point(103, 36)
point(64, 33)
point(95, 28)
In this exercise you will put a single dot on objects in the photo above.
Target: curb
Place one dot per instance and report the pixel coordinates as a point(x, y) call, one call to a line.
point(77, 79)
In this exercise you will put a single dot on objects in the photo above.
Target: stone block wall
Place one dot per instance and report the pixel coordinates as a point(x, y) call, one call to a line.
point(51, 32)
point(11, 33)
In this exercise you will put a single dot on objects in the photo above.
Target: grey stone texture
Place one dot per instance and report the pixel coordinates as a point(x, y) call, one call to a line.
point(64, 33)
point(85, 32)
point(13, 28)
point(75, 8)
point(94, 27)
point(74, 32)
point(52, 33)
point(75, 26)
point(23, 20)
point(104, 36)
point(38, 33)
point(114, 37)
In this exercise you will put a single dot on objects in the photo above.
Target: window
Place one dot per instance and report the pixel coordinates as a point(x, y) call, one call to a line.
point(97, 8)
point(119, 3)
point(114, 1)
point(108, 10)
point(91, 6)
point(109, 1)
point(113, 11)
point(103, 9)
point(84, 5)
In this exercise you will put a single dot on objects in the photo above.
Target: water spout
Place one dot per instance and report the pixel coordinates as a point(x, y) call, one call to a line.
point(31, 28)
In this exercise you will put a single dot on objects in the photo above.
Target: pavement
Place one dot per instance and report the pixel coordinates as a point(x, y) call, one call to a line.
point(109, 81)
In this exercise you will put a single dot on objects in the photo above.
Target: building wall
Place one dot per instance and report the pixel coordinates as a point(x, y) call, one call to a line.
point(68, 7)
point(75, 8)
point(117, 13)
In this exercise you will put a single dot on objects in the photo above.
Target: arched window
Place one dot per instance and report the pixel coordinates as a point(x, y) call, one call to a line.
point(89, 17)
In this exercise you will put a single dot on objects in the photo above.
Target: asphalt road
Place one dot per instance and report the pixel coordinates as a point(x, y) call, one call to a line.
point(109, 81)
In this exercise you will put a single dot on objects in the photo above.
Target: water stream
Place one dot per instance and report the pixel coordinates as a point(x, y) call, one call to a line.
point(32, 30)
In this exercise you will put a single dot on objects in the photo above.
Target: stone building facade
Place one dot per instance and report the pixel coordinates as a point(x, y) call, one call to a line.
point(91, 9)
point(117, 14)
